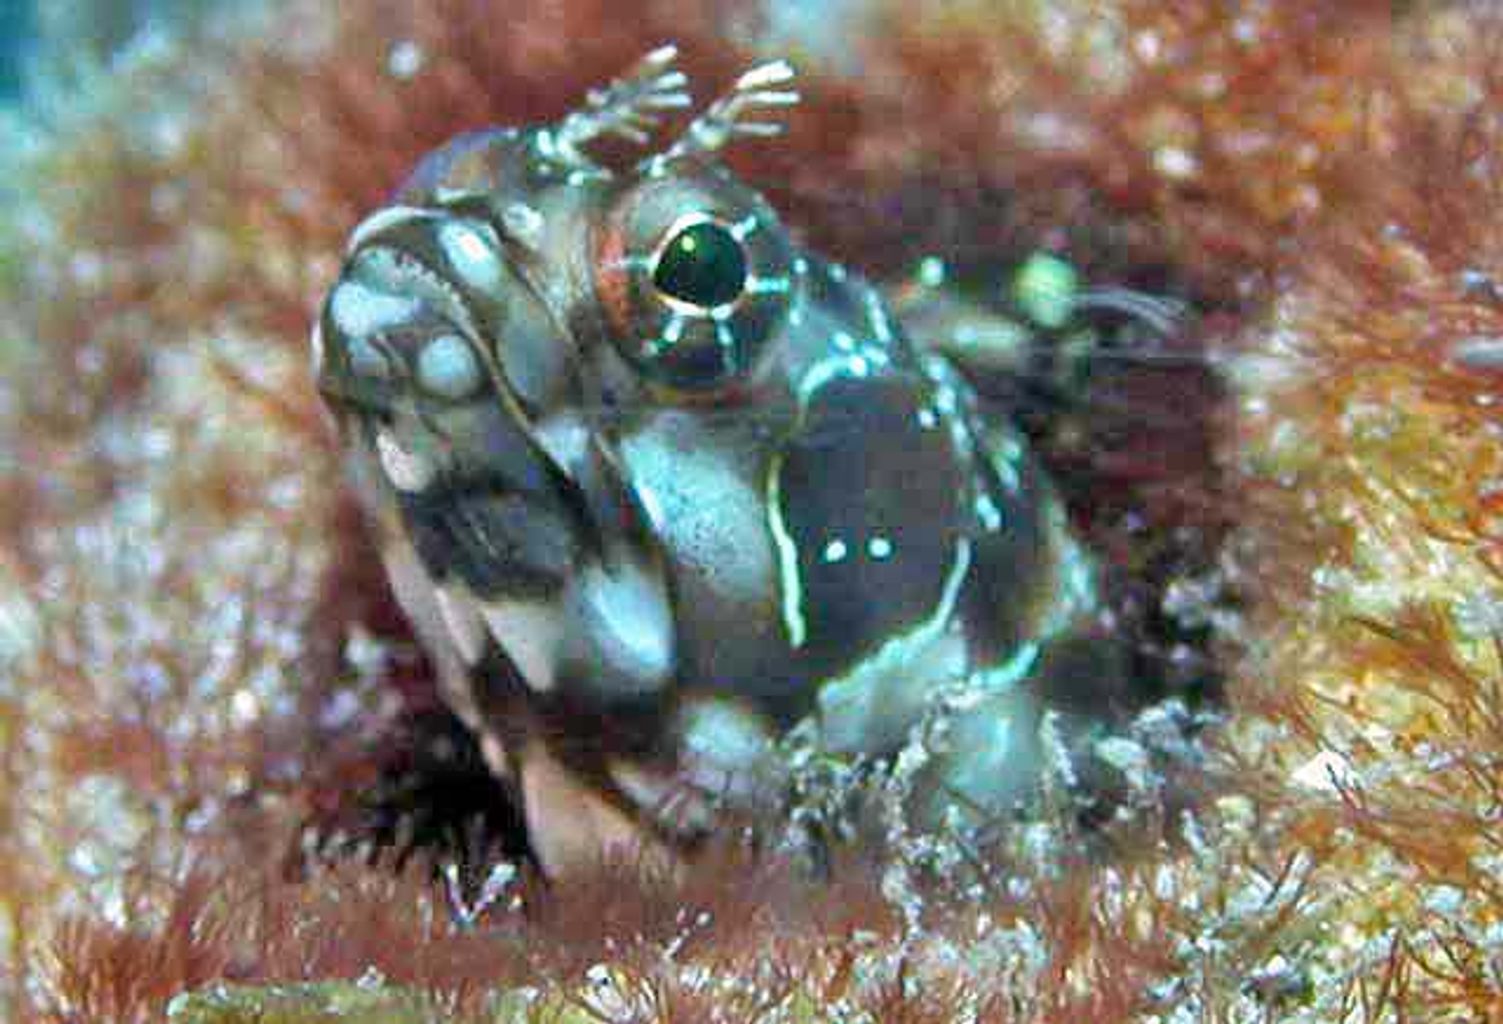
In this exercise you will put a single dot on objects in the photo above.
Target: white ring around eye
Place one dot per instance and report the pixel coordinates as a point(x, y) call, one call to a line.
point(449, 368)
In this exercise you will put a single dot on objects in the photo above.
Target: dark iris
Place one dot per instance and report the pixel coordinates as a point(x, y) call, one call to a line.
point(702, 264)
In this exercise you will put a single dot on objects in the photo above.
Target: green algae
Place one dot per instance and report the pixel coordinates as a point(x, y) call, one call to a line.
point(325, 1002)
point(364, 1002)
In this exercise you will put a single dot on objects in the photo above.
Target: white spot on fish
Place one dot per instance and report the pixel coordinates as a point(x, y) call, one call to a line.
point(406, 471)
point(471, 255)
point(529, 633)
point(449, 368)
point(525, 224)
point(358, 311)
point(625, 614)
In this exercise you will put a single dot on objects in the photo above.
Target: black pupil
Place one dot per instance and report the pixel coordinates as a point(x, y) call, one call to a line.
point(702, 264)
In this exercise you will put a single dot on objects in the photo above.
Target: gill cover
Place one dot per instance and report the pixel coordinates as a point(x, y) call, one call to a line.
point(448, 352)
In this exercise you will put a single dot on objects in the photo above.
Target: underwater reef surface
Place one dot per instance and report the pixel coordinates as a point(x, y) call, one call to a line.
point(217, 749)
point(54, 46)
point(16, 38)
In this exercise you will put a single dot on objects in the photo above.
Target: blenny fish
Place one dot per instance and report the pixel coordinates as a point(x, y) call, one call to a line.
point(658, 487)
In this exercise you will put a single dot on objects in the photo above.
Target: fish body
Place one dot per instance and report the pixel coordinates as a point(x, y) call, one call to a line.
point(657, 486)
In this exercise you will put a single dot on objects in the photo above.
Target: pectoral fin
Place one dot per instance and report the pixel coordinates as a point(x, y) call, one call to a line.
point(574, 826)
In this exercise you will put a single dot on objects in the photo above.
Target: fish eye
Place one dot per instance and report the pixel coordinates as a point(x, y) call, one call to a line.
point(702, 263)
point(696, 277)
point(448, 368)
